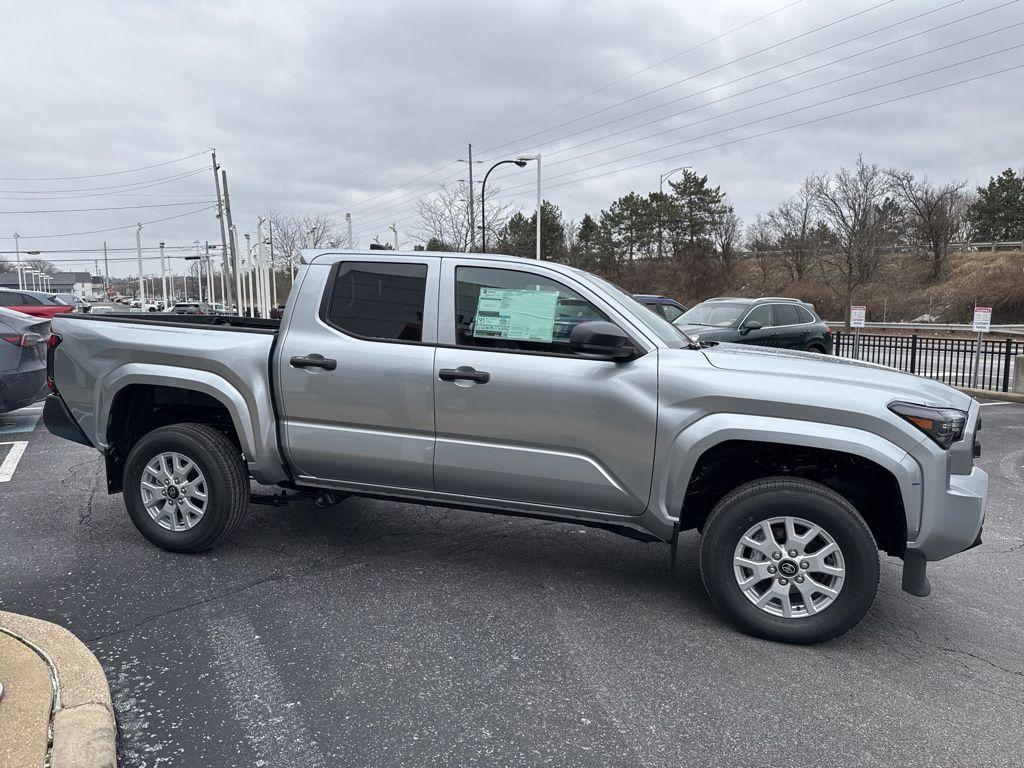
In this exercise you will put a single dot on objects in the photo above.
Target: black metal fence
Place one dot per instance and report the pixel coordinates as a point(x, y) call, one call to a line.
point(948, 360)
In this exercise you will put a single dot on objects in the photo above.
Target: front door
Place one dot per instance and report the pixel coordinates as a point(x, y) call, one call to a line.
point(766, 335)
point(521, 419)
point(355, 365)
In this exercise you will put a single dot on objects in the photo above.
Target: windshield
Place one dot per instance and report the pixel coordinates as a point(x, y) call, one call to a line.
point(717, 314)
point(661, 327)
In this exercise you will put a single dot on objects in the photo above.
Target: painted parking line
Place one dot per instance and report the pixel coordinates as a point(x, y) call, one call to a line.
point(10, 462)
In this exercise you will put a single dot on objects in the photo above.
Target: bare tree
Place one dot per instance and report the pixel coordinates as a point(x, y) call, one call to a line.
point(294, 232)
point(41, 265)
point(854, 205)
point(444, 217)
point(937, 214)
point(794, 225)
point(760, 244)
point(726, 231)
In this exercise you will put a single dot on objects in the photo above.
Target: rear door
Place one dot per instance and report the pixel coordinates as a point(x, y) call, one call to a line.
point(355, 367)
point(791, 329)
point(522, 420)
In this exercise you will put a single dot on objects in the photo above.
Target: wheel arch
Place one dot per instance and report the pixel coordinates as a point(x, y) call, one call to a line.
point(774, 442)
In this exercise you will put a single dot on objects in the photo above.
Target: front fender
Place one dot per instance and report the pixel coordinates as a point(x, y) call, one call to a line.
point(690, 443)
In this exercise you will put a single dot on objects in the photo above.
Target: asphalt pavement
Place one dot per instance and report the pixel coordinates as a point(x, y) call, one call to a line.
point(385, 634)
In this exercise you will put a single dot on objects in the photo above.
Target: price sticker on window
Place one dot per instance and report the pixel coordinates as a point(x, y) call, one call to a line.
point(518, 315)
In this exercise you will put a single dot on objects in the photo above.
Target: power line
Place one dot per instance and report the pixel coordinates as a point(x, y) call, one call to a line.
point(112, 229)
point(768, 69)
point(771, 117)
point(109, 173)
point(730, 142)
point(103, 194)
point(717, 67)
point(640, 71)
point(573, 101)
point(790, 127)
point(398, 201)
point(121, 187)
point(787, 95)
point(110, 208)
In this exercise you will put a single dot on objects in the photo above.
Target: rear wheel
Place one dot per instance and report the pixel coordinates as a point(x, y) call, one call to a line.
point(789, 560)
point(185, 487)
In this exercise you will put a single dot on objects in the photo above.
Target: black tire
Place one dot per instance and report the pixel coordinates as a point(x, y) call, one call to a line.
point(227, 485)
point(773, 497)
point(817, 349)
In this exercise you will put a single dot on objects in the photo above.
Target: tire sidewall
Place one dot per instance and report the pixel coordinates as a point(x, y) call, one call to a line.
point(214, 519)
point(860, 555)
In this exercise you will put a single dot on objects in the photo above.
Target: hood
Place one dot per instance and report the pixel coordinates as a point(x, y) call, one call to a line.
point(827, 369)
point(709, 332)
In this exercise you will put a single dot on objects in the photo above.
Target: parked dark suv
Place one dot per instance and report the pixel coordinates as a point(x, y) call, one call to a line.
point(668, 308)
point(768, 322)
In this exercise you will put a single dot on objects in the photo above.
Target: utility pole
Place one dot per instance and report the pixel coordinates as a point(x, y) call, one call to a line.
point(472, 207)
point(273, 265)
point(223, 233)
point(17, 258)
point(234, 243)
point(138, 250)
point(348, 222)
point(106, 272)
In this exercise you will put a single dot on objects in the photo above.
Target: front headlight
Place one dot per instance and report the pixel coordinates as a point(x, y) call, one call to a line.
point(943, 425)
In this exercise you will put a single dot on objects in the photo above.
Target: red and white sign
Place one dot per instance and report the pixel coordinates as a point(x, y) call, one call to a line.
point(857, 315)
point(982, 319)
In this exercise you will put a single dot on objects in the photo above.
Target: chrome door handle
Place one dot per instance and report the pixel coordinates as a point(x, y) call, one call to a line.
point(464, 373)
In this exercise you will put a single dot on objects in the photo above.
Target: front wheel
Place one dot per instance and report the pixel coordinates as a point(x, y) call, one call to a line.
point(789, 560)
point(186, 487)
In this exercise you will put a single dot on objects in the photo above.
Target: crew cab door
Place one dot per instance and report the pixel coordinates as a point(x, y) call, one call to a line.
point(520, 419)
point(355, 369)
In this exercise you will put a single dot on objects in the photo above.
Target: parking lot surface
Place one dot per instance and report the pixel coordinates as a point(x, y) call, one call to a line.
point(385, 634)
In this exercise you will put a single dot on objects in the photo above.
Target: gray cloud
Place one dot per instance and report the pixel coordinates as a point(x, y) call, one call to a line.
point(315, 105)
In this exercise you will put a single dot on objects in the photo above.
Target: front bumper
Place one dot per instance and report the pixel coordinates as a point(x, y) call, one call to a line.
point(954, 520)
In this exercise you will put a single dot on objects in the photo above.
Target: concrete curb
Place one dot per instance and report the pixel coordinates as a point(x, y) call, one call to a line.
point(83, 730)
point(987, 394)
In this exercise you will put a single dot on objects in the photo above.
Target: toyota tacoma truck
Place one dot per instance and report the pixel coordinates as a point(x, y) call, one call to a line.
point(529, 388)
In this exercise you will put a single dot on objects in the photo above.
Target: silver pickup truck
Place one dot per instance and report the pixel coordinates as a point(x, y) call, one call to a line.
point(528, 388)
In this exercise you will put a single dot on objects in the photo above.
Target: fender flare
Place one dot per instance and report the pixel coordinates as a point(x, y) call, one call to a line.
point(211, 384)
point(695, 439)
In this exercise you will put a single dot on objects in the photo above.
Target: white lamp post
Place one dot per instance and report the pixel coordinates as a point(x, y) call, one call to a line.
point(537, 158)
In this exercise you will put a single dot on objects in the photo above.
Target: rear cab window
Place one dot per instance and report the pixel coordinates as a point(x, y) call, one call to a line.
point(377, 300)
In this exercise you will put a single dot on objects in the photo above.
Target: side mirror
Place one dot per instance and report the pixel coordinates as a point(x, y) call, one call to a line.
point(750, 325)
point(601, 340)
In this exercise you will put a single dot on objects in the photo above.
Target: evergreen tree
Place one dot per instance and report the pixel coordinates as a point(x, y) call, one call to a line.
point(998, 213)
point(519, 237)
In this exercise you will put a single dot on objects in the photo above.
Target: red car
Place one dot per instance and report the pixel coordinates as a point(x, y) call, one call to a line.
point(34, 303)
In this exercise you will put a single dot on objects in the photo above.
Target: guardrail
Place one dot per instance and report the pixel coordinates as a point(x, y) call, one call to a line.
point(1005, 328)
point(948, 360)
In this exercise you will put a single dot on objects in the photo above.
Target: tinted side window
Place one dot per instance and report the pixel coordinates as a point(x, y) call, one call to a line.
point(805, 315)
point(763, 315)
point(9, 299)
point(378, 301)
point(671, 311)
point(30, 301)
point(786, 314)
point(507, 309)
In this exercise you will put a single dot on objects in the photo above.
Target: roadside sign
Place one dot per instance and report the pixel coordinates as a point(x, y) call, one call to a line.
point(982, 319)
point(857, 315)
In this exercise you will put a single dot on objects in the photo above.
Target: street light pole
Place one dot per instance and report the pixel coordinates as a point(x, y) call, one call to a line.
point(661, 193)
point(163, 275)
point(17, 258)
point(520, 162)
point(138, 250)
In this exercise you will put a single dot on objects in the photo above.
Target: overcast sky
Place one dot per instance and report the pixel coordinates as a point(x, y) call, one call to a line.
point(318, 106)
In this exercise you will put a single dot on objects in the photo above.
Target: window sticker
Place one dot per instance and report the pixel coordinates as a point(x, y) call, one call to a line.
point(515, 314)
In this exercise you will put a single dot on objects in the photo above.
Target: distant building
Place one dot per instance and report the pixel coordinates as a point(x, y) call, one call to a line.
point(81, 284)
